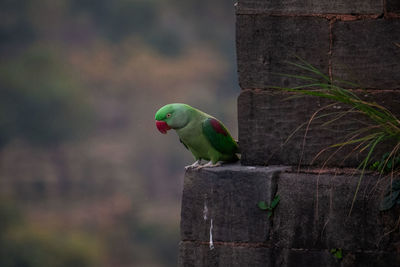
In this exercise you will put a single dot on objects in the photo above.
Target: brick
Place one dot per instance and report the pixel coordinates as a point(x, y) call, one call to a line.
point(268, 118)
point(364, 52)
point(309, 7)
point(265, 45)
point(229, 198)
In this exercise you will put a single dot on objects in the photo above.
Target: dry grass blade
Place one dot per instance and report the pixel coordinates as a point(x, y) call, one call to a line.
point(364, 165)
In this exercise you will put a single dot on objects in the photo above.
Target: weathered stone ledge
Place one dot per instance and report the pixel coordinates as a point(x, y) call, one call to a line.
point(192, 254)
point(221, 224)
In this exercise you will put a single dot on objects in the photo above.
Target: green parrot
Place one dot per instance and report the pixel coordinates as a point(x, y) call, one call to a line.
point(205, 136)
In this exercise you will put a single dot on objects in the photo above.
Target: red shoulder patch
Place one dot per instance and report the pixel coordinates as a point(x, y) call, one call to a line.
point(218, 127)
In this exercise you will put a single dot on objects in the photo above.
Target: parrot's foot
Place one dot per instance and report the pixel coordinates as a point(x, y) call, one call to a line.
point(194, 165)
point(209, 165)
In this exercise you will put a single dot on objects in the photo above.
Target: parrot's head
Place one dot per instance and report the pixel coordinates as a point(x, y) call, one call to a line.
point(172, 116)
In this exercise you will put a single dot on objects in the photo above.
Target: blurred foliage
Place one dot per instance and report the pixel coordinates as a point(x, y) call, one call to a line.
point(119, 19)
point(80, 82)
point(15, 27)
point(28, 246)
point(9, 216)
point(39, 102)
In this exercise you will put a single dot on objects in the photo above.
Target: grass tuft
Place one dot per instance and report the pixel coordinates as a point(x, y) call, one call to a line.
point(383, 126)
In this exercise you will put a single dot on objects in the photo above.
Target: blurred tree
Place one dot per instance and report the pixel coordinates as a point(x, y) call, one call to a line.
point(9, 216)
point(130, 57)
point(140, 19)
point(40, 101)
point(15, 28)
point(22, 245)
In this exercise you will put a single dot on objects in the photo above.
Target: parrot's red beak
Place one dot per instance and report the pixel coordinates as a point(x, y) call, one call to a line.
point(162, 126)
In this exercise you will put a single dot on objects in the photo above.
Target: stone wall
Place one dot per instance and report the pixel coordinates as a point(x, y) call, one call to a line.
point(221, 224)
point(357, 41)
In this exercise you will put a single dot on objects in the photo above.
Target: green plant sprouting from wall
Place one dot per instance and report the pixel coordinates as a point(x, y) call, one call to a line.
point(386, 166)
point(337, 253)
point(269, 207)
point(383, 125)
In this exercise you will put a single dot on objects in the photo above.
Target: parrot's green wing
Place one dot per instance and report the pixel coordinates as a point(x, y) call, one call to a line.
point(219, 137)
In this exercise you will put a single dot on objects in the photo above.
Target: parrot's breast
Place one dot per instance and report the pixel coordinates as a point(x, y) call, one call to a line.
point(192, 136)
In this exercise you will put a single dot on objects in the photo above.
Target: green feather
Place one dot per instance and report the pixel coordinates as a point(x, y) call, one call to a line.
point(221, 141)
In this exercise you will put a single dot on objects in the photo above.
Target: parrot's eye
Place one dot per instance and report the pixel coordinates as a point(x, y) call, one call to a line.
point(168, 115)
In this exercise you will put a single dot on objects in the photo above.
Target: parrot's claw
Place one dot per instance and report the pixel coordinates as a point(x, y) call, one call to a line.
point(196, 164)
point(209, 165)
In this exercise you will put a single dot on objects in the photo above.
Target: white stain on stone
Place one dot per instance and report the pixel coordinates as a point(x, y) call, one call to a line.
point(205, 210)
point(211, 238)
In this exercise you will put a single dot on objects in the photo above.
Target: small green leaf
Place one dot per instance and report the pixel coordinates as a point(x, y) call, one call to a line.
point(337, 253)
point(375, 166)
point(385, 156)
point(389, 165)
point(391, 196)
point(269, 214)
point(275, 201)
point(262, 205)
point(389, 200)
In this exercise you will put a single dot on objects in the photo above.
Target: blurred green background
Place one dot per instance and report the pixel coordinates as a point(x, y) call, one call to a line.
point(85, 177)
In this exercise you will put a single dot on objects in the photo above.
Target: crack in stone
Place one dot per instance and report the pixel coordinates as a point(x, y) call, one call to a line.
point(330, 52)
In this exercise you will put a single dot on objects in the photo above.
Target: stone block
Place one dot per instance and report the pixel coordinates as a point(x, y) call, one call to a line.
point(314, 212)
point(221, 203)
point(192, 254)
point(305, 226)
point(393, 6)
point(265, 45)
point(199, 255)
point(370, 259)
point(302, 7)
point(304, 257)
point(268, 118)
point(365, 52)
